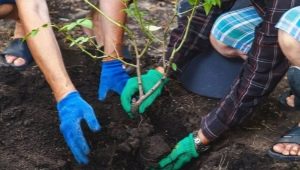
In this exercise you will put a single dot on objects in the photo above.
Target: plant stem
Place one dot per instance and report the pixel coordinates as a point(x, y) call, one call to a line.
point(136, 104)
point(176, 49)
point(138, 70)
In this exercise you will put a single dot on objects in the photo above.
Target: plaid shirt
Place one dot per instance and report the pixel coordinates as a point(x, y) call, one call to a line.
point(263, 69)
point(289, 23)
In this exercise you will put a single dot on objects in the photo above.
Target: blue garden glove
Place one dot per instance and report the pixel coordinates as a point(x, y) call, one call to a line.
point(72, 110)
point(113, 77)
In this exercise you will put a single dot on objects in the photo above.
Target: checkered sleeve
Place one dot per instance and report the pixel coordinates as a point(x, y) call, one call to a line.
point(198, 36)
point(290, 23)
point(263, 69)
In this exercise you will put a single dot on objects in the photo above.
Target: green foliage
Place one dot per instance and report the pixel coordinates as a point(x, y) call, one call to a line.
point(174, 66)
point(207, 4)
point(194, 2)
point(87, 23)
point(139, 16)
point(33, 33)
point(80, 40)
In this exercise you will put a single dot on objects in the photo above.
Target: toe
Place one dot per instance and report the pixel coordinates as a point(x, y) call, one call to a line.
point(10, 59)
point(279, 148)
point(294, 150)
point(287, 149)
point(290, 149)
point(290, 100)
point(19, 62)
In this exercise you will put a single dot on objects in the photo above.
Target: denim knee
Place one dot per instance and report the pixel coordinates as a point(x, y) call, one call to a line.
point(293, 75)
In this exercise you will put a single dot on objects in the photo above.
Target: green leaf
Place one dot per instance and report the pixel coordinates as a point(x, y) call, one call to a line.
point(69, 27)
point(207, 7)
point(34, 32)
point(219, 3)
point(87, 23)
point(84, 40)
point(45, 25)
point(130, 10)
point(153, 28)
point(80, 40)
point(174, 66)
point(193, 2)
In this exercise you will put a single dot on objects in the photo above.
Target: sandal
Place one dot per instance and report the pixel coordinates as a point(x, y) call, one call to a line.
point(18, 48)
point(283, 103)
point(292, 136)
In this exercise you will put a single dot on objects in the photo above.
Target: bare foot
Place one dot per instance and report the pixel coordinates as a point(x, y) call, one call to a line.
point(19, 33)
point(287, 149)
point(291, 100)
point(14, 60)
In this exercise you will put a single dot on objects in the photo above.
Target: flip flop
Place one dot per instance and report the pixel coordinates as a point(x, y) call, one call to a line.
point(283, 103)
point(18, 48)
point(292, 136)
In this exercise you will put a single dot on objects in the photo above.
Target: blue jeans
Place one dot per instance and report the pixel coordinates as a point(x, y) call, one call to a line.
point(293, 75)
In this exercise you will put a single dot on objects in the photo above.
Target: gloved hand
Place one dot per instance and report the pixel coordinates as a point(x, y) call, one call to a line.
point(183, 152)
point(149, 80)
point(113, 77)
point(72, 110)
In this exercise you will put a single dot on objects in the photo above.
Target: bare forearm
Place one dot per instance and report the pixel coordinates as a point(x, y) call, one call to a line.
point(113, 34)
point(44, 47)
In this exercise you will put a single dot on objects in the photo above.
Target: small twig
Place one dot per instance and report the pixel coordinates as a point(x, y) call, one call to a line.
point(138, 69)
point(268, 127)
point(176, 49)
point(141, 121)
point(222, 161)
point(166, 31)
point(136, 104)
point(117, 52)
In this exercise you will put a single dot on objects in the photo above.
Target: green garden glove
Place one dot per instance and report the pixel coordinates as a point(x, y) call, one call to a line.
point(183, 152)
point(131, 88)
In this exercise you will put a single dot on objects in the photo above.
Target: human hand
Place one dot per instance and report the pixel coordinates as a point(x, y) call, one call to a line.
point(183, 152)
point(72, 110)
point(149, 80)
point(113, 77)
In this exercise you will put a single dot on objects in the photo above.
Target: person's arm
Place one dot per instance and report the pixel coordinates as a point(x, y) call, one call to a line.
point(113, 74)
point(260, 74)
point(72, 109)
point(113, 34)
point(263, 69)
point(44, 47)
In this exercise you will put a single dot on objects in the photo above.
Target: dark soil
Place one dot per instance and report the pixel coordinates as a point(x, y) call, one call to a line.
point(29, 128)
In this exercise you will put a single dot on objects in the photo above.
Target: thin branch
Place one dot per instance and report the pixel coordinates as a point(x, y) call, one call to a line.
point(136, 104)
point(187, 28)
point(166, 31)
point(138, 70)
point(69, 37)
